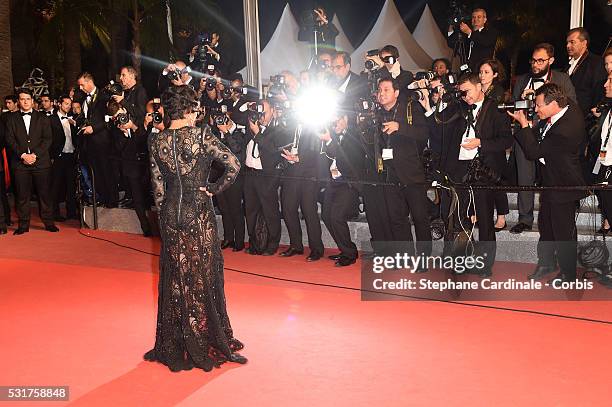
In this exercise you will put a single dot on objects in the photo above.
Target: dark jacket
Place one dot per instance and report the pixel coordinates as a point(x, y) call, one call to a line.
point(560, 150)
point(135, 102)
point(348, 151)
point(357, 88)
point(59, 137)
point(588, 79)
point(483, 45)
point(268, 142)
point(560, 78)
point(326, 36)
point(37, 141)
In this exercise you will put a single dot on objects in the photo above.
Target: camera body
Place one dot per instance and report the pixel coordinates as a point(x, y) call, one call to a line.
point(527, 104)
point(277, 86)
point(114, 89)
point(157, 116)
point(458, 14)
point(219, 115)
point(255, 112)
point(368, 114)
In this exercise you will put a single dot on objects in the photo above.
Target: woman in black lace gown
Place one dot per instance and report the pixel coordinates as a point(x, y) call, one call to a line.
point(193, 328)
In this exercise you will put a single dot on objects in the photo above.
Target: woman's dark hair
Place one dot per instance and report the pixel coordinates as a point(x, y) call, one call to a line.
point(496, 67)
point(179, 101)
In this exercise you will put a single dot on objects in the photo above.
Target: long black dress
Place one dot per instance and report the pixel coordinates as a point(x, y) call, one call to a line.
point(193, 328)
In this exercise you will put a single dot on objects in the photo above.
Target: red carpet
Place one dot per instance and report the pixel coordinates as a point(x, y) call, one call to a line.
point(81, 313)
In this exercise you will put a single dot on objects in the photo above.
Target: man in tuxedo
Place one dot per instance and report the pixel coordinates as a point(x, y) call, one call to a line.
point(213, 53)
point(2, 208)
point(341, 202)
point(97, 141)
point(46, 105)
point(482, 133)
point(403, 136)
point(347, 82)
point(62, 153)
point(585, 69)
point(261, 179)
point(388, 59)
point(480, 39)
point(557, 151)
point(10, 105)
point(542, 59)
point(28, 137)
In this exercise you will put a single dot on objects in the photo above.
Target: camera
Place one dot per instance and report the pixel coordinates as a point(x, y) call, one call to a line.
point(367, 113)
point(114, 89)
point(211, 83)
point(219, 115)
point(427, 75)
point(417, 95)
point(607, 104)
point(121, 118)
point(173, 75)
point(480, 174)
point(277, 85)
point(527, 104)
point(458, 14)
point(156, 114)
point(255, 112)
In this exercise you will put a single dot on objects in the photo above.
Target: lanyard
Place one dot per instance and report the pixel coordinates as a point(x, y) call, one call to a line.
point(604, 145)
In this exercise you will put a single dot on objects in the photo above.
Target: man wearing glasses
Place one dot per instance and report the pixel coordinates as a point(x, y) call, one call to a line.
point(526, 85)
point(347, 82)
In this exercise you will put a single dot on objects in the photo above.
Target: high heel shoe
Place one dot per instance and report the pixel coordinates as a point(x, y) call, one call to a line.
point(238, 358)
point(502, 228)
point(603, 231)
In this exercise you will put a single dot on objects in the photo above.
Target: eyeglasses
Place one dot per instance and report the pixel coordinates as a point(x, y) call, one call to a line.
point(337, 67)
point(538, 61)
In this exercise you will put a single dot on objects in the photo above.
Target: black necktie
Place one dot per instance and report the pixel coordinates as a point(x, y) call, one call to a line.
point(26, 113)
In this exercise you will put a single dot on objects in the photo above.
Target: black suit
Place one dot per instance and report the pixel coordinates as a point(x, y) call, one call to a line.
point(492, 127)
point(261, 185)
point(482, 45)
point(135, 102)
point(405, 170)
point(302, 194)
point(3, 205)
point(98, 150)
point(230, 200)
point(341, 201)
point(326, 36)
point(404, 79)
point(526, 169)
point(63, 169)
point(356, 88)
point(37, 141)
point(588, 79)
point(556, 221)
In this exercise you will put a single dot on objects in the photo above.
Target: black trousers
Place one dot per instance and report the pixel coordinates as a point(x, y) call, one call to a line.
point(99, 157)
point(41, 178)
point(261, 194)
point(232, 212)
point(136, 177)
point(557, 225)
point(3, 217)
point(409, 200)
point(377, 215)
point(340, 204)
point(63, 184)
point(4, 203)
point(501, 203)
point(302, 195)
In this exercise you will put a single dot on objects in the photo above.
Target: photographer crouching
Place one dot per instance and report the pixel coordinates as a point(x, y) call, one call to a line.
point(556, 150)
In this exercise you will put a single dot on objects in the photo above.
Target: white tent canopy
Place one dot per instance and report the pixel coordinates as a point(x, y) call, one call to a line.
point(342, 41)
point(428, 35)
point(390, 29)
point(284, 51)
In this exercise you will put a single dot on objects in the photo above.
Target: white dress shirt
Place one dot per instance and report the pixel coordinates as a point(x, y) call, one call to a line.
point(553, 119)
point(88, 101)
point(68, 146)
point(606, 132)
point(573, 62)
point(251, 150)
point(27, 119)
point(342, 87)
point(470, 133)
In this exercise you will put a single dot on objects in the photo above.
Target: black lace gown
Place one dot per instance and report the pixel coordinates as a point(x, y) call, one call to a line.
point(193, 328)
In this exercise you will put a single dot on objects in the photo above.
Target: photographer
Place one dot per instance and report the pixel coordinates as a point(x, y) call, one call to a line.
point(97, 141)
point(403, 135)
point(346, 81)
point(441, 66)
point(556, 150)
point(476, 152)
point(63, 159)
point(261, 177)
point(230, 200)
point(237, 104)
point(388, 61)
point(177, 74)
point(526, 85)
point(130, 141)
point(341, 202)
point(207, 50)
point(134, 97)
point(481, 39)
point(316, 23)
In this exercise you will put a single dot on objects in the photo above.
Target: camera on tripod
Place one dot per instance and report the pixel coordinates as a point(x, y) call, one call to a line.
point(113, 89)
point(219, 115)
point(458, 15)
point(527, 104)
point(156, 115)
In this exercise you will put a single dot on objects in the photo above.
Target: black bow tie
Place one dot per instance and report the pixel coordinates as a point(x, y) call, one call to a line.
point(26, 113)
point(64, 117)
point(535, 80)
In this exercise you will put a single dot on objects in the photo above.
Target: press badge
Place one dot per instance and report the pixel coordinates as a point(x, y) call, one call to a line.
point(294, 150)
point(596, 167)
point(387, 154)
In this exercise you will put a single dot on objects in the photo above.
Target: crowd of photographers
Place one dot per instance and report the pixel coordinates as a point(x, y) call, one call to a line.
point(392, 133)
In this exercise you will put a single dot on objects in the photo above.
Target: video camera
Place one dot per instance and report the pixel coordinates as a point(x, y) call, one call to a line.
point(527, 104)
point(458, 15)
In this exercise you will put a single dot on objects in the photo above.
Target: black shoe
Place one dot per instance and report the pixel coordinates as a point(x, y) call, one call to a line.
point(51, 228)
point(9, 222)
point(21, 231)
point(126, 204)
point(226, 243)
point(540, 272)
point(603, 231)
point(147, 233)
point(344, 261)
point(520, 228)
point(290, 252)
point(500, 229)
point(313, 257)
point(560, 277)
point(3, 230)
point(253, 251)
point(238, 248)
point(482, 273)
point(238, 358)
point(335, 257)
point(269, 252)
